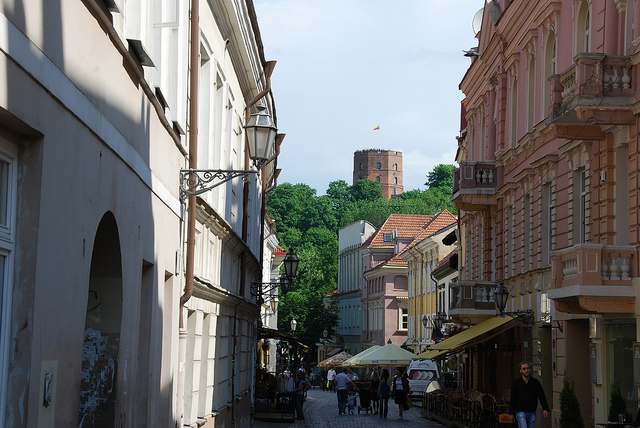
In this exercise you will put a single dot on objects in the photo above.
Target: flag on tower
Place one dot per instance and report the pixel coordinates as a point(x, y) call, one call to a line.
point(377, 128)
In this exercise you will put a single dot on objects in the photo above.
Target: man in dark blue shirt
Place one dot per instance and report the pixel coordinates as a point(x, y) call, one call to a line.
point(525, 394)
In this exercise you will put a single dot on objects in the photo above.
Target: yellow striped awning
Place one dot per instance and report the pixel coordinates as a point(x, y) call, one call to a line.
point(464, 338)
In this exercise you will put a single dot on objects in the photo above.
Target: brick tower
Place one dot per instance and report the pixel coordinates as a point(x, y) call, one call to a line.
point(383, 166)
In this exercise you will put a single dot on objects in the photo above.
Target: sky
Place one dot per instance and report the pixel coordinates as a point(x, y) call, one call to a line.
point(345, 67)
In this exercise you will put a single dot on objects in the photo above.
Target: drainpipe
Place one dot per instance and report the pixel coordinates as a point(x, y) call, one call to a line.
point(193, 151)
point(191, 201)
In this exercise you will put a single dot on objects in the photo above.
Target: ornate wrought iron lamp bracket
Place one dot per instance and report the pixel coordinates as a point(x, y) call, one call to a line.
point(197, 181)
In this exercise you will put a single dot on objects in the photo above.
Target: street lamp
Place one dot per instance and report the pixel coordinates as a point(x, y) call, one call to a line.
point(425, 321)
point(325, 333)
point(274, 303)
point(261, 134)
point(501, 295)
point(290, 268)
point(294, 325)
point(439, 319)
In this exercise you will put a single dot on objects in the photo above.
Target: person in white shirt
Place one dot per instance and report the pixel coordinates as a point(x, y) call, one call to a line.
point(331, 377)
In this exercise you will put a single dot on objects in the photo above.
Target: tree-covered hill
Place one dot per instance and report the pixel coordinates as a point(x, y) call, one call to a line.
point(309, 224)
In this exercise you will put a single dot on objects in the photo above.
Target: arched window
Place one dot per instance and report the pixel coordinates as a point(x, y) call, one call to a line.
point(514, 111)
point(360, 166)
point(379, 165)
point(583, 29)
point(395, 166)
point(395, 180)
point(393, 191)
point(378, 179)
point(549, 70)
point(531, 102)
point(630, 26)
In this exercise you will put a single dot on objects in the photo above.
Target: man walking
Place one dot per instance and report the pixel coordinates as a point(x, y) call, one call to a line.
point(342, 380)
point(525, 394)
point(331, 377)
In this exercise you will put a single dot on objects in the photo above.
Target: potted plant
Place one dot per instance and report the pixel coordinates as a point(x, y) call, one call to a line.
point(618, 406)
point(570, 414)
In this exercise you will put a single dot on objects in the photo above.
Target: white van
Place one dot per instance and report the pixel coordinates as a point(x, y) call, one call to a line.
point(421, 374)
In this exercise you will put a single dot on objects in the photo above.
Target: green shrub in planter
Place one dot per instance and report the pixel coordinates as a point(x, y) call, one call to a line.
point(618, 405)
point(570, 415)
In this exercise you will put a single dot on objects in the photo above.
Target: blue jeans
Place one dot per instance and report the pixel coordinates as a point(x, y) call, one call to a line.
point(342, 400)
point(526, 419)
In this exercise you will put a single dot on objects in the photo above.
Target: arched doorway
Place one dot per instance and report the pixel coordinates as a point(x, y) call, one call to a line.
point(98, 392)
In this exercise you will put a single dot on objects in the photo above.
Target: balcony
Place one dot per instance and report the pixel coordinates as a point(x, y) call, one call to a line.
point(474, 185)
point(597, 90)
point(594, 279)
point(472, 298)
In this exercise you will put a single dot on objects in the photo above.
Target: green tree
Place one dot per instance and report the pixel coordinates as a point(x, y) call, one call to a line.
point(618, 405)
point(308, 300)
point(375, 212)
point(570, 414)
point(288, 204)
point(366, 190)
point(340, 193)
point(440, 176)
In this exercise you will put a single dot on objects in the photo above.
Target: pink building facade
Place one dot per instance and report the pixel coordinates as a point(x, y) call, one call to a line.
point(548, 190)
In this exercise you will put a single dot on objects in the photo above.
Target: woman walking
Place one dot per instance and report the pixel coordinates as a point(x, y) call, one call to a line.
point(374, 385)
point(383, 393)
point(400, 390)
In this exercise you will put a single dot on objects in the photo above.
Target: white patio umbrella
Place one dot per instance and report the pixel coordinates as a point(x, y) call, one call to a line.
point(359, 355)
point(387, 355)
point(335, 360)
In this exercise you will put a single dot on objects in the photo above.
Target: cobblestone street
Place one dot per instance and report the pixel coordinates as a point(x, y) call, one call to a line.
point(321, 411)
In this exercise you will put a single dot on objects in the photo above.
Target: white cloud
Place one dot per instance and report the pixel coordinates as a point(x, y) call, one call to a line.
point(346, 66)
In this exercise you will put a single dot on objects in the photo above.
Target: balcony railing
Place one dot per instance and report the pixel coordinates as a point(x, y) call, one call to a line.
point(474, 185)
point(468, 297)
point(593, 275)
point(597, 88)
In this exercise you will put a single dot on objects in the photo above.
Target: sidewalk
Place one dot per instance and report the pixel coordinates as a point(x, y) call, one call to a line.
point(321, 411)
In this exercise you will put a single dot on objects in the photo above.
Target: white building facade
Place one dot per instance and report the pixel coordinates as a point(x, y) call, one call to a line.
point(350, 240)
point(98, 112)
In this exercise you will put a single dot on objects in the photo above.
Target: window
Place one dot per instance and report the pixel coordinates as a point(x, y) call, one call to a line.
point(514, 112)
point(379, 165)
point(8, 197)
point(404, 319)
point(393, 191)
point(583, 27)
point(531, 94)
point(587, 32)
point(378, 179)
point(395, 180)
point(582, 183)
point(619, 359)
point(360, 166)
point(395, 166)
point(547, 224)
point(388, 237)
point(550, 70)
point(630, 27)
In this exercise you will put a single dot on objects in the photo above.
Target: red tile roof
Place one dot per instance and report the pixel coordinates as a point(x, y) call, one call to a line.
point(431, 224)
point(408, 225)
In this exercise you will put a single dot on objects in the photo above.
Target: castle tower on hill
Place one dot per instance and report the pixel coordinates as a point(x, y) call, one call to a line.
point(383, 166)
